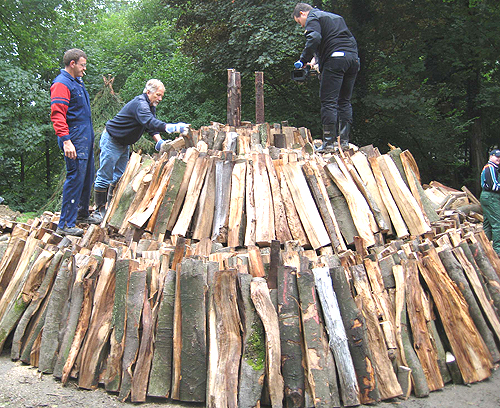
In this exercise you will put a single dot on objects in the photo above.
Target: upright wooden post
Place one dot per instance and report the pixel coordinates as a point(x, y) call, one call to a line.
point(259, 97)
point(233, 98)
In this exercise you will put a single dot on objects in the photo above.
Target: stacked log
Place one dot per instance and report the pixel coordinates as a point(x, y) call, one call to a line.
point(236, 277)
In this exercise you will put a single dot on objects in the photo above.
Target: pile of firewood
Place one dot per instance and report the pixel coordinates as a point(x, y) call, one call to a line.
point(240, 268)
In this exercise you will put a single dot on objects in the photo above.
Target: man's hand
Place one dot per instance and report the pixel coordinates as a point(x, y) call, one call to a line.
point(69, 149)
point(158, 145)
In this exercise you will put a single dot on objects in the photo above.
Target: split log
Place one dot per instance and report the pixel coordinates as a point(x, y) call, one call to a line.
point(387, 382)
point(419, 382)
point(93, 349)
point(456, 272)
point(489, 251)
point(267, 313)
point(390, 204)
point(144, 357)
point(202, 226)
point(55, 310)
point(225, 387)
point(408, 206)
point(306, 207)
point(360, 212)
point(422, 343)
point(76, 315)
point(251, 215)
point(113, 376)
point(161, 369)
point(252, 365)
point(357, 336)
point(223, 171)
point(193, 357)
point(290, 336)
point(264, 226)
point(473, 358)
point(236, 224)
point(349, 389)
point(192, 195)
point(319, 364)
point(11, 256)
point(281, 227)
point(135, 302)
point(169, 198)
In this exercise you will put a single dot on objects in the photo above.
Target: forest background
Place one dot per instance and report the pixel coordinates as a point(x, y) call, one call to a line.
point(429, 79)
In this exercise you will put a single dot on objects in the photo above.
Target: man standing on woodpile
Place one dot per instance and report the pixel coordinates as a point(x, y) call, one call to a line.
point(330, 44)
point(490, 199)
point(124, 129)
point(72, 121)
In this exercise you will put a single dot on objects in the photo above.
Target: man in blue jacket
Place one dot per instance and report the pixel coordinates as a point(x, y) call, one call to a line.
point(334, 48)
point(72, 121)
point(124, 129)
point(490, 199)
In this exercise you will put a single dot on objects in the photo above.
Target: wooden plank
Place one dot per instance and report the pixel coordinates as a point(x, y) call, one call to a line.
point(306, 207)
point(349, 389)
point(267, 313)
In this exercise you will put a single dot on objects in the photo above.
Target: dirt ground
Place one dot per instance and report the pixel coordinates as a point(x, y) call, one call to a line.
point(21, 386)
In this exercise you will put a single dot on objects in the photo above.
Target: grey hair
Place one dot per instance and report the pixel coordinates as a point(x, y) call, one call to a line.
point(152, 85)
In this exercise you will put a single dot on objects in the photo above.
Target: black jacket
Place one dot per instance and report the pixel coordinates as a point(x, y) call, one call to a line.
point(133, 119)
point(326, 33)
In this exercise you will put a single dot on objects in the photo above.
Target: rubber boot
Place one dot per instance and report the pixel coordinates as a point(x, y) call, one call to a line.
point(111, 192)
point(344, 131)
point(329, 136)
point(100, 198)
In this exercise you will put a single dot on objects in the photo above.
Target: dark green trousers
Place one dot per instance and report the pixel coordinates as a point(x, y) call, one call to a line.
point(490, 201)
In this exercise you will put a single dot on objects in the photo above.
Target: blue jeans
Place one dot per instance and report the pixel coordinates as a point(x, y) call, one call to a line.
point(113, 161)
point(338, 75)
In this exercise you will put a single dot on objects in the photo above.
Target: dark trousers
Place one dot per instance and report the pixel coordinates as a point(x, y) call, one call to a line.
point(338, 75)
point(490, 201)
point(77, 189)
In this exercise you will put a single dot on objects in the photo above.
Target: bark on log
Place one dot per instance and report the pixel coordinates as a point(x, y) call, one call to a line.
point(319, 363)
point(252, 366)
point(290, 336)
point(58, 297)
point(161, 370)
point(193, 370)
point(349, 389)
point(135, 301)
point(267, 313)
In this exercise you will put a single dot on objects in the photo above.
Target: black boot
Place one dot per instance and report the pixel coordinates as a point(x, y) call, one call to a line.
point(329, 136)
point(344, 131)
point(100, 199)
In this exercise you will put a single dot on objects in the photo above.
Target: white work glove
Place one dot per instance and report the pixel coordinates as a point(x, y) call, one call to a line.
point(176, 127)
point(159, 143)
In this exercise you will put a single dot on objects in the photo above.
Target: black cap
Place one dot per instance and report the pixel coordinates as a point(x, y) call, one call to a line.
point(495, 152)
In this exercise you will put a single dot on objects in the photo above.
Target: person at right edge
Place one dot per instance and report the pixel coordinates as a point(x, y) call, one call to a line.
point(490, 199)
point(330, 44)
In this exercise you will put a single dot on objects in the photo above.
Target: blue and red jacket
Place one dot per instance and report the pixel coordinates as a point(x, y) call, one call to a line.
point(70, 113)
point(489, 177)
